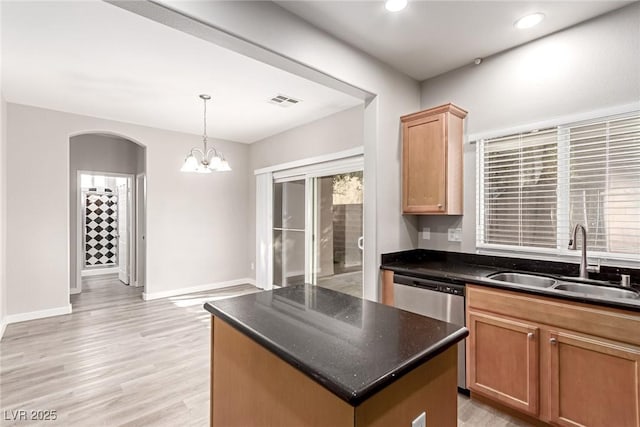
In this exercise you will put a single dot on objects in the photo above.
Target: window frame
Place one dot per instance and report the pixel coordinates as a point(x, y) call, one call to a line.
point(561, 251)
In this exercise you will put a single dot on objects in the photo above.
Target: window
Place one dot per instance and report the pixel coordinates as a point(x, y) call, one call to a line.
point(533, 187)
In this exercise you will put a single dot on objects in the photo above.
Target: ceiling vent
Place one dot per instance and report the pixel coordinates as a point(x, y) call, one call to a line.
point(284, 101)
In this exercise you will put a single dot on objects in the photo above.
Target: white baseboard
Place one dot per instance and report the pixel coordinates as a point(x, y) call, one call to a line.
point(32, 315)
point(74, 291)
point(3, 326)
point(147, 296)
point(99, 271)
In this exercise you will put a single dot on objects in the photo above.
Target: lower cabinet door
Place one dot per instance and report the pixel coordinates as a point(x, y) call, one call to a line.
point(594, 383)
point(503, 360)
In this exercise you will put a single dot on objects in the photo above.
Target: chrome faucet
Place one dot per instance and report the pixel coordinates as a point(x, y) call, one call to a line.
point(584, 266)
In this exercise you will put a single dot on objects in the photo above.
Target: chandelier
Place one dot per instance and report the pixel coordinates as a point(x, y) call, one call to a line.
point(206, 160)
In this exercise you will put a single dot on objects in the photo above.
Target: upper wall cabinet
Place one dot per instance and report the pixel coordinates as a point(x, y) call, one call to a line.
point(432, 161)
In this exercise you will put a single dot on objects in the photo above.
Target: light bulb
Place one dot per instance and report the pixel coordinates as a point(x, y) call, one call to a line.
point(395, 5)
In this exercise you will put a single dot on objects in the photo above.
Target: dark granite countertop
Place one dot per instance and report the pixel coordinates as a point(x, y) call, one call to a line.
point(463, 268)
point(351, 346)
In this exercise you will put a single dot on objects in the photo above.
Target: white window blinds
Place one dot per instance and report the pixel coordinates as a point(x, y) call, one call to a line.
point(519, 197)
point(534, 186)
point(604, 183)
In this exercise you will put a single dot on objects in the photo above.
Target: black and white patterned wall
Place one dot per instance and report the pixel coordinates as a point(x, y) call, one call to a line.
point(101, 229)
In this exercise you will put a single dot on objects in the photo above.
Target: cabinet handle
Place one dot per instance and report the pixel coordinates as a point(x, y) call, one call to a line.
point(553, 340)
point(439, 206)
point(530, 335)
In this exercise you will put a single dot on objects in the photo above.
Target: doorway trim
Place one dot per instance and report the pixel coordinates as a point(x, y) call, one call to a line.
point(308, 168)
point(131, 230)
point(141, 230)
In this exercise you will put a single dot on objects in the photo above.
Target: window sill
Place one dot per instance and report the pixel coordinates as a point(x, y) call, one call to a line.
point(625, 261)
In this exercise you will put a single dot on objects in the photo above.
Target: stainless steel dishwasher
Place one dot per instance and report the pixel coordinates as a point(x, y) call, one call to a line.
point(439, 300)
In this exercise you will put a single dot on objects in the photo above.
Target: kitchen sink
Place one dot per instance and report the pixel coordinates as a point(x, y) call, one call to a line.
point(600, 291)
point(524, 279)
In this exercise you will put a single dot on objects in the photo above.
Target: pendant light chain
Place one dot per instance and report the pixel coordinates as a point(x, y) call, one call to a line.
point(204, 137)
point(205, 118)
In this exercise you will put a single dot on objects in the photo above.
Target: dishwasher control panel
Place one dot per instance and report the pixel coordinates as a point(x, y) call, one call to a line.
point(455, 290)
point(432, 285)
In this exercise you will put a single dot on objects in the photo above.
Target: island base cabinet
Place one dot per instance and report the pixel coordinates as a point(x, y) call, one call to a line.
point(593, 382)
point(250, 386)
point(504, 355)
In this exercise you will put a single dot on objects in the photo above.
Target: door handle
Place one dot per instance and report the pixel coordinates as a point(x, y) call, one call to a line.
point(361, 243)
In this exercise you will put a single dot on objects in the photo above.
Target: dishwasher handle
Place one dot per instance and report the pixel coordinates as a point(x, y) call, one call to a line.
point(429, 284)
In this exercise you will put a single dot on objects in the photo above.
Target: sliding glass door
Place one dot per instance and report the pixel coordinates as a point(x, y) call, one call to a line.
point(336, 247)
point(317, 231)
point(289, 232)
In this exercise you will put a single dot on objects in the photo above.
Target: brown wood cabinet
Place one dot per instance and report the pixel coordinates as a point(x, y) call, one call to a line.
point(387, 287)
point(565, 363)
point(593, 382)
point(432, 161)
point(505, 360)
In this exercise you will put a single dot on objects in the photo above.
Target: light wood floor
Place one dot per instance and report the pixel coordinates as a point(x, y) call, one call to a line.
point(472, 413)
point(117, 360)
point(121, 361)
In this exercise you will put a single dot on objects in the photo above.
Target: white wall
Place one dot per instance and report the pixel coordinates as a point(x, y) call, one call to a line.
point(337, 132)
point(591, 66)
point(397, 94)
point(196, 224)
point(3, 199)
point(3, 212)
point(97, 153)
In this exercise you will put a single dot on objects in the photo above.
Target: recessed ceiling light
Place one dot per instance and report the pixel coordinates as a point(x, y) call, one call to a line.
point(529, 21)
point(395, 5)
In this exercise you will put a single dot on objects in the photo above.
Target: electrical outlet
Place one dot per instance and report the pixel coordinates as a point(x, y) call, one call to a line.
point(421, 421)
point(455, 234)
point(426, 233)
point(253, 266)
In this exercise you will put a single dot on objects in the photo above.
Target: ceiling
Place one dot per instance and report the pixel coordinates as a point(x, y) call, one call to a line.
point(93, 58)
point(429, 38)
point(90, 57)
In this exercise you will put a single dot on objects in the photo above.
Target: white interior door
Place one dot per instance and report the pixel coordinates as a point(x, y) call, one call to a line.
point(123, 233)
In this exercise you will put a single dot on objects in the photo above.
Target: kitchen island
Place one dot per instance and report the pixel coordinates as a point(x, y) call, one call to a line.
point(309, 356)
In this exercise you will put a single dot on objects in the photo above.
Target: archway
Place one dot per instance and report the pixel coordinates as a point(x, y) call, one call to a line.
point(107, 209)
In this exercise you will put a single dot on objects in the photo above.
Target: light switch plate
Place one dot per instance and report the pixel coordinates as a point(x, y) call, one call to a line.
point(421, 421)
point(455, 234)
point(426, 233)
